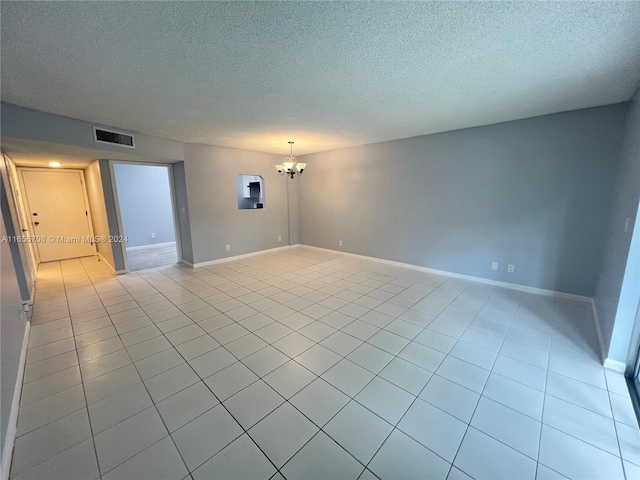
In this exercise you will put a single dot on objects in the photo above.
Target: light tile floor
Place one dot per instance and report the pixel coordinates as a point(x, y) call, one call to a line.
point(308, 364)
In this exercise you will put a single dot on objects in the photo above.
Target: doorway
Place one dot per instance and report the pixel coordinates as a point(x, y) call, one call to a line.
point(58, 211)
point(145, 200)
point(629, 314)
point(633, 367)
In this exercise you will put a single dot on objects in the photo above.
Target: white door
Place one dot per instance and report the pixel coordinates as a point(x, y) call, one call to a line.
point(58, 213)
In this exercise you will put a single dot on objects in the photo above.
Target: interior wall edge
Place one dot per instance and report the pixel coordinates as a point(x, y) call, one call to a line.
point(601, 342)
point(622, 218)
point(12, 429)
point(104, 260)
point(111, 206)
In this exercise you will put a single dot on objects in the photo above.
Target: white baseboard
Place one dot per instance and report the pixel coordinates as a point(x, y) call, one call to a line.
point(614, 365)
point(512, 286)
point(12, 428)
point(596, 320)
point(138, 247)
point(236, 257)
point(109, 266)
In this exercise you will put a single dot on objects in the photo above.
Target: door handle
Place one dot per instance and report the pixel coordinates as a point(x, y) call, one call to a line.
point(36, 223)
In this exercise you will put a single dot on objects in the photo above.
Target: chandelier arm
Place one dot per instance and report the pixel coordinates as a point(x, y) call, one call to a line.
point(290, 167)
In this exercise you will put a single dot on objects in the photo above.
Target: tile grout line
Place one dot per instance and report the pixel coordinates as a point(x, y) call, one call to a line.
point(215, 396)
point(86, 403)
point(93, 436)
point(480, 397)
point(152, 401)
point(513, 316)
point(544, 403)
point(287, 401)
point(395, 317)
point(84, 393)
point(615, 428)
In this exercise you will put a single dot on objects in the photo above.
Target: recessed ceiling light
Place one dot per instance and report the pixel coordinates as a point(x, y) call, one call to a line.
point(54, 164)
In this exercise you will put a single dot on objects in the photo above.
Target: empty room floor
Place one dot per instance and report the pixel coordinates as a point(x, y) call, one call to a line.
point(304, 364)
point(151, 256)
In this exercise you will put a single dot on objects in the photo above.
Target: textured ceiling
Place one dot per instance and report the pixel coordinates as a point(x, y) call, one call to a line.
point(326, 74)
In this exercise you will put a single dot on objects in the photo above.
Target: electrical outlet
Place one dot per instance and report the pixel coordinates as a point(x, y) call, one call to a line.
point(339, 243)
point(494, 265)
point(279, 238)
point(153, 235)
point(228, 248)
point(511, 268)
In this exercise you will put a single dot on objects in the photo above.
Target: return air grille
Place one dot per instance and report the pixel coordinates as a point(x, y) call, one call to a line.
point(113, 138)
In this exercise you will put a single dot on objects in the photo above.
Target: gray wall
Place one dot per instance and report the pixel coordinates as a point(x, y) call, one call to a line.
point(214, 216)
point(112, 216)
point(25, 123)
point(95, 195)
point(12, 325)
point(144, 196)
point(625, 205)
point(182, 206)
point(533, 192)
point(294, 221)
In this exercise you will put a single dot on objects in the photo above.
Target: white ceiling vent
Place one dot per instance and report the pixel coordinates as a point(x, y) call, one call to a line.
point(100, 135)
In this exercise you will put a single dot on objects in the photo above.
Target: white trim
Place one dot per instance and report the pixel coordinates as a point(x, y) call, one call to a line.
point(512, 286)
point(109, 266)
point(12, 428)
point(614, 365)
point(596, 321)
point(236, 257)
point(151, 245)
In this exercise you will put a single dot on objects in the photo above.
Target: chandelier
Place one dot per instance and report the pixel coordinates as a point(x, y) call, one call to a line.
point(290, 165)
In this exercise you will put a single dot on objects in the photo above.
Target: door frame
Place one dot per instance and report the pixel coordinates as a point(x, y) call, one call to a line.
point(18, 194)
point(85, 199)
point(174, 205)
point(632, 370)
point(632, 367)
